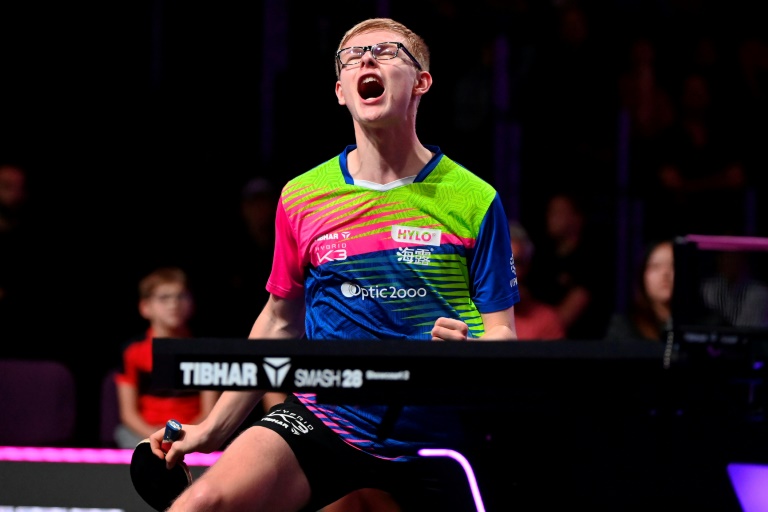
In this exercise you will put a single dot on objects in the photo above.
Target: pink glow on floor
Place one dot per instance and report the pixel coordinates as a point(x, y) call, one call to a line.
point(89, 455)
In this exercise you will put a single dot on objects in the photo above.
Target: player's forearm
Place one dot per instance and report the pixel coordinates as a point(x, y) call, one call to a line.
point(499, 333)
point(280, 319)
point(499, 325)
point(230, 411)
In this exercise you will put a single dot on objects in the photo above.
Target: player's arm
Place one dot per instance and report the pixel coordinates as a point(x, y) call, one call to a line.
point(208, 399)
point(499, 326)
point(492, 279)
point(285, 321)
point(280, 319)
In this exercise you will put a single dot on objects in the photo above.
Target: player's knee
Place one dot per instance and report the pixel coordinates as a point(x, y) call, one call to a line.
point(200, 496)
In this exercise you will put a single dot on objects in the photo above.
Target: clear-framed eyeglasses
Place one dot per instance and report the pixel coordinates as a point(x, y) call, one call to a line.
point(352, 55)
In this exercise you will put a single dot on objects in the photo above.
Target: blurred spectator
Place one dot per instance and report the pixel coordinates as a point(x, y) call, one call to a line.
point(570, 267)
point(700, 180)
point(242, 292)
point(13, 196)
point(568, 115)
point(752, 111)
point(16, 283)
point(166, 302)
point(734, 293)
point(534, 319)
point(645, 100)
point(650, 308)
point(642, 93)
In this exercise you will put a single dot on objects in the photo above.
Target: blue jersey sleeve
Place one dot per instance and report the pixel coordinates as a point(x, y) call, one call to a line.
point(492, 271)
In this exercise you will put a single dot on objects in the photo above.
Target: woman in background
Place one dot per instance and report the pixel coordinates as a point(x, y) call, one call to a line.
point(650, 310)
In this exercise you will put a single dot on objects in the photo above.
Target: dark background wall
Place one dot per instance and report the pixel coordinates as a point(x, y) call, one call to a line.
point(139, 123)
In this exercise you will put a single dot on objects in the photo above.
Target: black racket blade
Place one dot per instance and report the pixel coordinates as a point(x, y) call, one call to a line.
point(155, 484)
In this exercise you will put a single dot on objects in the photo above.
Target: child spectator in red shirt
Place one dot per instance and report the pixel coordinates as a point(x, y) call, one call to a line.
point(166, 302)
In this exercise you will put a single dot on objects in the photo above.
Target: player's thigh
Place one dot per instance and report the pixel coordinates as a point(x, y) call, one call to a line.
point(258, 471)
point(364, 500)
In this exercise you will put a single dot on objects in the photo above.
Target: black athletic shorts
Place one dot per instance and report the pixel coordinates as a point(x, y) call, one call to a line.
point(335, 468)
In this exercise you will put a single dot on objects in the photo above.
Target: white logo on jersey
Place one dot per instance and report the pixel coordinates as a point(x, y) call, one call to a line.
point(414, 256)
point(421, 236)
point(333, 236)
point(350, 290)
point(332, 255)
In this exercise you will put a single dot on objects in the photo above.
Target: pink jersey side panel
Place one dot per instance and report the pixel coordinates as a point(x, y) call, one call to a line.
point(287, 277)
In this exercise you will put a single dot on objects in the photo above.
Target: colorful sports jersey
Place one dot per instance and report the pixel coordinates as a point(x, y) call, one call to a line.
point(384, 262)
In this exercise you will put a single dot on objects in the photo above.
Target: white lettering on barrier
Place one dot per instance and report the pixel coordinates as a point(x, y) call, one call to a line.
point(218, 374)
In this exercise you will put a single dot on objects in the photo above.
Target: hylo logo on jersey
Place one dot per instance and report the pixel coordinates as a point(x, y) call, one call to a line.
point(421, 236)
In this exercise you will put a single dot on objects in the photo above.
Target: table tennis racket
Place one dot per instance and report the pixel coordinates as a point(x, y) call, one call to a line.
point(155, 484)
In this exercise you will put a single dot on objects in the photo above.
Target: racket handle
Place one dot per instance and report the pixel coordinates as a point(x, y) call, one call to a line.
point(172, 433)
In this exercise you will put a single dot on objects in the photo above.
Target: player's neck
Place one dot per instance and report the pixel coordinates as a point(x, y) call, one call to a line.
point(383, 160)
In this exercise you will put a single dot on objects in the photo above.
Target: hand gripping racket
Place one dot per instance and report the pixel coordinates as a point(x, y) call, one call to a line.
point(155, 484)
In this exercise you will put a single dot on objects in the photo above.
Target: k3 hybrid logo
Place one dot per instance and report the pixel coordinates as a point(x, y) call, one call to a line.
point(331, 255)
point(328, 249)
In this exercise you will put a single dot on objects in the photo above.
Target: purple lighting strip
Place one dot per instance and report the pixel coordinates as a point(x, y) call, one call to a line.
point(729, 243)
point(89, 455)
point(443, 452)
point(750, 481)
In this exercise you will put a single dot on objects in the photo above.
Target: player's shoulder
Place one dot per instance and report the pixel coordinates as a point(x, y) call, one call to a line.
point(455, 182)
point(328, 173)
point(456, 173)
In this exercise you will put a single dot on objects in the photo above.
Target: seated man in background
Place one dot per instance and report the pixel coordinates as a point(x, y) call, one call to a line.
point(534, 319)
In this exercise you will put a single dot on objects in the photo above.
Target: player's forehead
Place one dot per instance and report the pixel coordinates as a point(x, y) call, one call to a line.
point(373, 37)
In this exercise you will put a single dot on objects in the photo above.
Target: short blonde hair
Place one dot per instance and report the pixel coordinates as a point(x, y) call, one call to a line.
point(163, 275)
point(413, 42)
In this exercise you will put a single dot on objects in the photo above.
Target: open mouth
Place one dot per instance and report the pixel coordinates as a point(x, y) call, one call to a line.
point(370, 87)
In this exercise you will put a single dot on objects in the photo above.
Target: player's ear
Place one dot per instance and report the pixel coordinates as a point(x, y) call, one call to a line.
point(423, 83)
point(340, 93)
